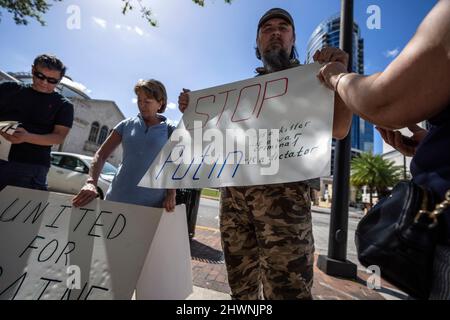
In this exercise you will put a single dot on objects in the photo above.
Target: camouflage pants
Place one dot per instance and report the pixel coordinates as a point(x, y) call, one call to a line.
point(267, 241)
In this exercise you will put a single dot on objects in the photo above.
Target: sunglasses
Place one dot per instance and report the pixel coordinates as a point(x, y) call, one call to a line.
point(42, 76)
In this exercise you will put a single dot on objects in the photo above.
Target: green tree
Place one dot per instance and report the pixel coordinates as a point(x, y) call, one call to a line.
point(375, 172)
point(22, 10)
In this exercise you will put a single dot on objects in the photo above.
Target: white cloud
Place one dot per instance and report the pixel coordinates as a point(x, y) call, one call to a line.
point(392, 53)
point(100, 22)
point(139, 31)
point(134, 100)
point(135, 29)
point(171, 106)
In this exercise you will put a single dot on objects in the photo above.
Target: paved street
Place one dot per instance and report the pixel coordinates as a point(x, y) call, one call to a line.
point(208, 217)
point(321, 227)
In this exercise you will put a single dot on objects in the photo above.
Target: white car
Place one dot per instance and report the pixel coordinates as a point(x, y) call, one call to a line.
point(69, 171)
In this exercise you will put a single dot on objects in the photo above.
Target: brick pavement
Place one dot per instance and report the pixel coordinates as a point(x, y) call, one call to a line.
point(208, 271)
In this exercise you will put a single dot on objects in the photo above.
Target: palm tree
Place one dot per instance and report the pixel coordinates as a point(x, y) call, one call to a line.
point(375, 172)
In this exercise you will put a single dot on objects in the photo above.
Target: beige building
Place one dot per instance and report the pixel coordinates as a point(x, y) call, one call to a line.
point(92, 123)
point(323, 198)
point(4, 77)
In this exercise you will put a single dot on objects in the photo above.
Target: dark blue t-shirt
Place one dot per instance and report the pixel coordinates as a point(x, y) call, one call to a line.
point(430, 167)
point(38, 113)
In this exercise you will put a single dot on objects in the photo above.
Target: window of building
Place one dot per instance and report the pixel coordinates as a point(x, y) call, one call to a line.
point(103, 135)
point(94, 132)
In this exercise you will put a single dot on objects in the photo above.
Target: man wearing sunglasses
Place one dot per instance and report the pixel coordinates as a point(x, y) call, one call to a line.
point(45, 118)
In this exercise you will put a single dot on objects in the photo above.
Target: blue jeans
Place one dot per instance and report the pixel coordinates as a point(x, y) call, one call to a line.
point(24, 175)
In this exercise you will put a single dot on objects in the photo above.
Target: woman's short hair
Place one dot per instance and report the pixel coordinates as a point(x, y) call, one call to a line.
point(154, 89)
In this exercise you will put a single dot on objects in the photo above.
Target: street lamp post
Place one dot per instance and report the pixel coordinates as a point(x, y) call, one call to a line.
point(336, 263)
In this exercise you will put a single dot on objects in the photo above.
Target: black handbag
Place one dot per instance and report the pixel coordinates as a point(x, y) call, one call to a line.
point(399, 235)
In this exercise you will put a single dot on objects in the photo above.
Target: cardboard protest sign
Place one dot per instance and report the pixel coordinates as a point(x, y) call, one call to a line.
point(270, 129)
point(50, 250)
point(167, 272)
point(7, 127)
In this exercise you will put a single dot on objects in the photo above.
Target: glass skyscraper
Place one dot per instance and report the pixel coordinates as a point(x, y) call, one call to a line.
point(327, 35)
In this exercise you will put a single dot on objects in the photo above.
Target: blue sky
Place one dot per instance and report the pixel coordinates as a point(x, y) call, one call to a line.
point(193, 47)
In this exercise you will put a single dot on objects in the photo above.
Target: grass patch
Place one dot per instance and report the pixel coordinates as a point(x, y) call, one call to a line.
point(211, 193)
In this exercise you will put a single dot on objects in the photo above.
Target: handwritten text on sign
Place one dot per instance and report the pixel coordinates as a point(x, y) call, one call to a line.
point(269, 129)
point(44, 240)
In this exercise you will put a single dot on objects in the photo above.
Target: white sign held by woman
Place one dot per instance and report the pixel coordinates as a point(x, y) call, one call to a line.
point(50, 250)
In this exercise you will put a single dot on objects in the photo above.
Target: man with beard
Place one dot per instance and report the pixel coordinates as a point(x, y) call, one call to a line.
point(266, 230)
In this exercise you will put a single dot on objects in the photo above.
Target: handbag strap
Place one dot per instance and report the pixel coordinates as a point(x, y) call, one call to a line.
point(434, 215)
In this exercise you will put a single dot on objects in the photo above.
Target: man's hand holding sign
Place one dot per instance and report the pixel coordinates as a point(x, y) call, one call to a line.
point(7, 130)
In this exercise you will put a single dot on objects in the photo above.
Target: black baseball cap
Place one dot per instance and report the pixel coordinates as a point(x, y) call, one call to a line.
point(276, 13)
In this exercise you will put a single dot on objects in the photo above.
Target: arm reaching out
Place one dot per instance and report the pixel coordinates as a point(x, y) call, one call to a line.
point(89, 191)
point(183, 100)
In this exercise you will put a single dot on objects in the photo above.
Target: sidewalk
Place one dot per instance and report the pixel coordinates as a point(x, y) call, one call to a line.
point(210, 277)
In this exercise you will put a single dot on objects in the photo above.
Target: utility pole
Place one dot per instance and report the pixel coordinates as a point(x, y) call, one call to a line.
point(336, 263)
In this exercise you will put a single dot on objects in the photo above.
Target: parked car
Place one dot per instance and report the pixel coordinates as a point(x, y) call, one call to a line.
point(69, 171)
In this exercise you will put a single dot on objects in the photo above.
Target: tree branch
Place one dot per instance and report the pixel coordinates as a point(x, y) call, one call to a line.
point(22, 10)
